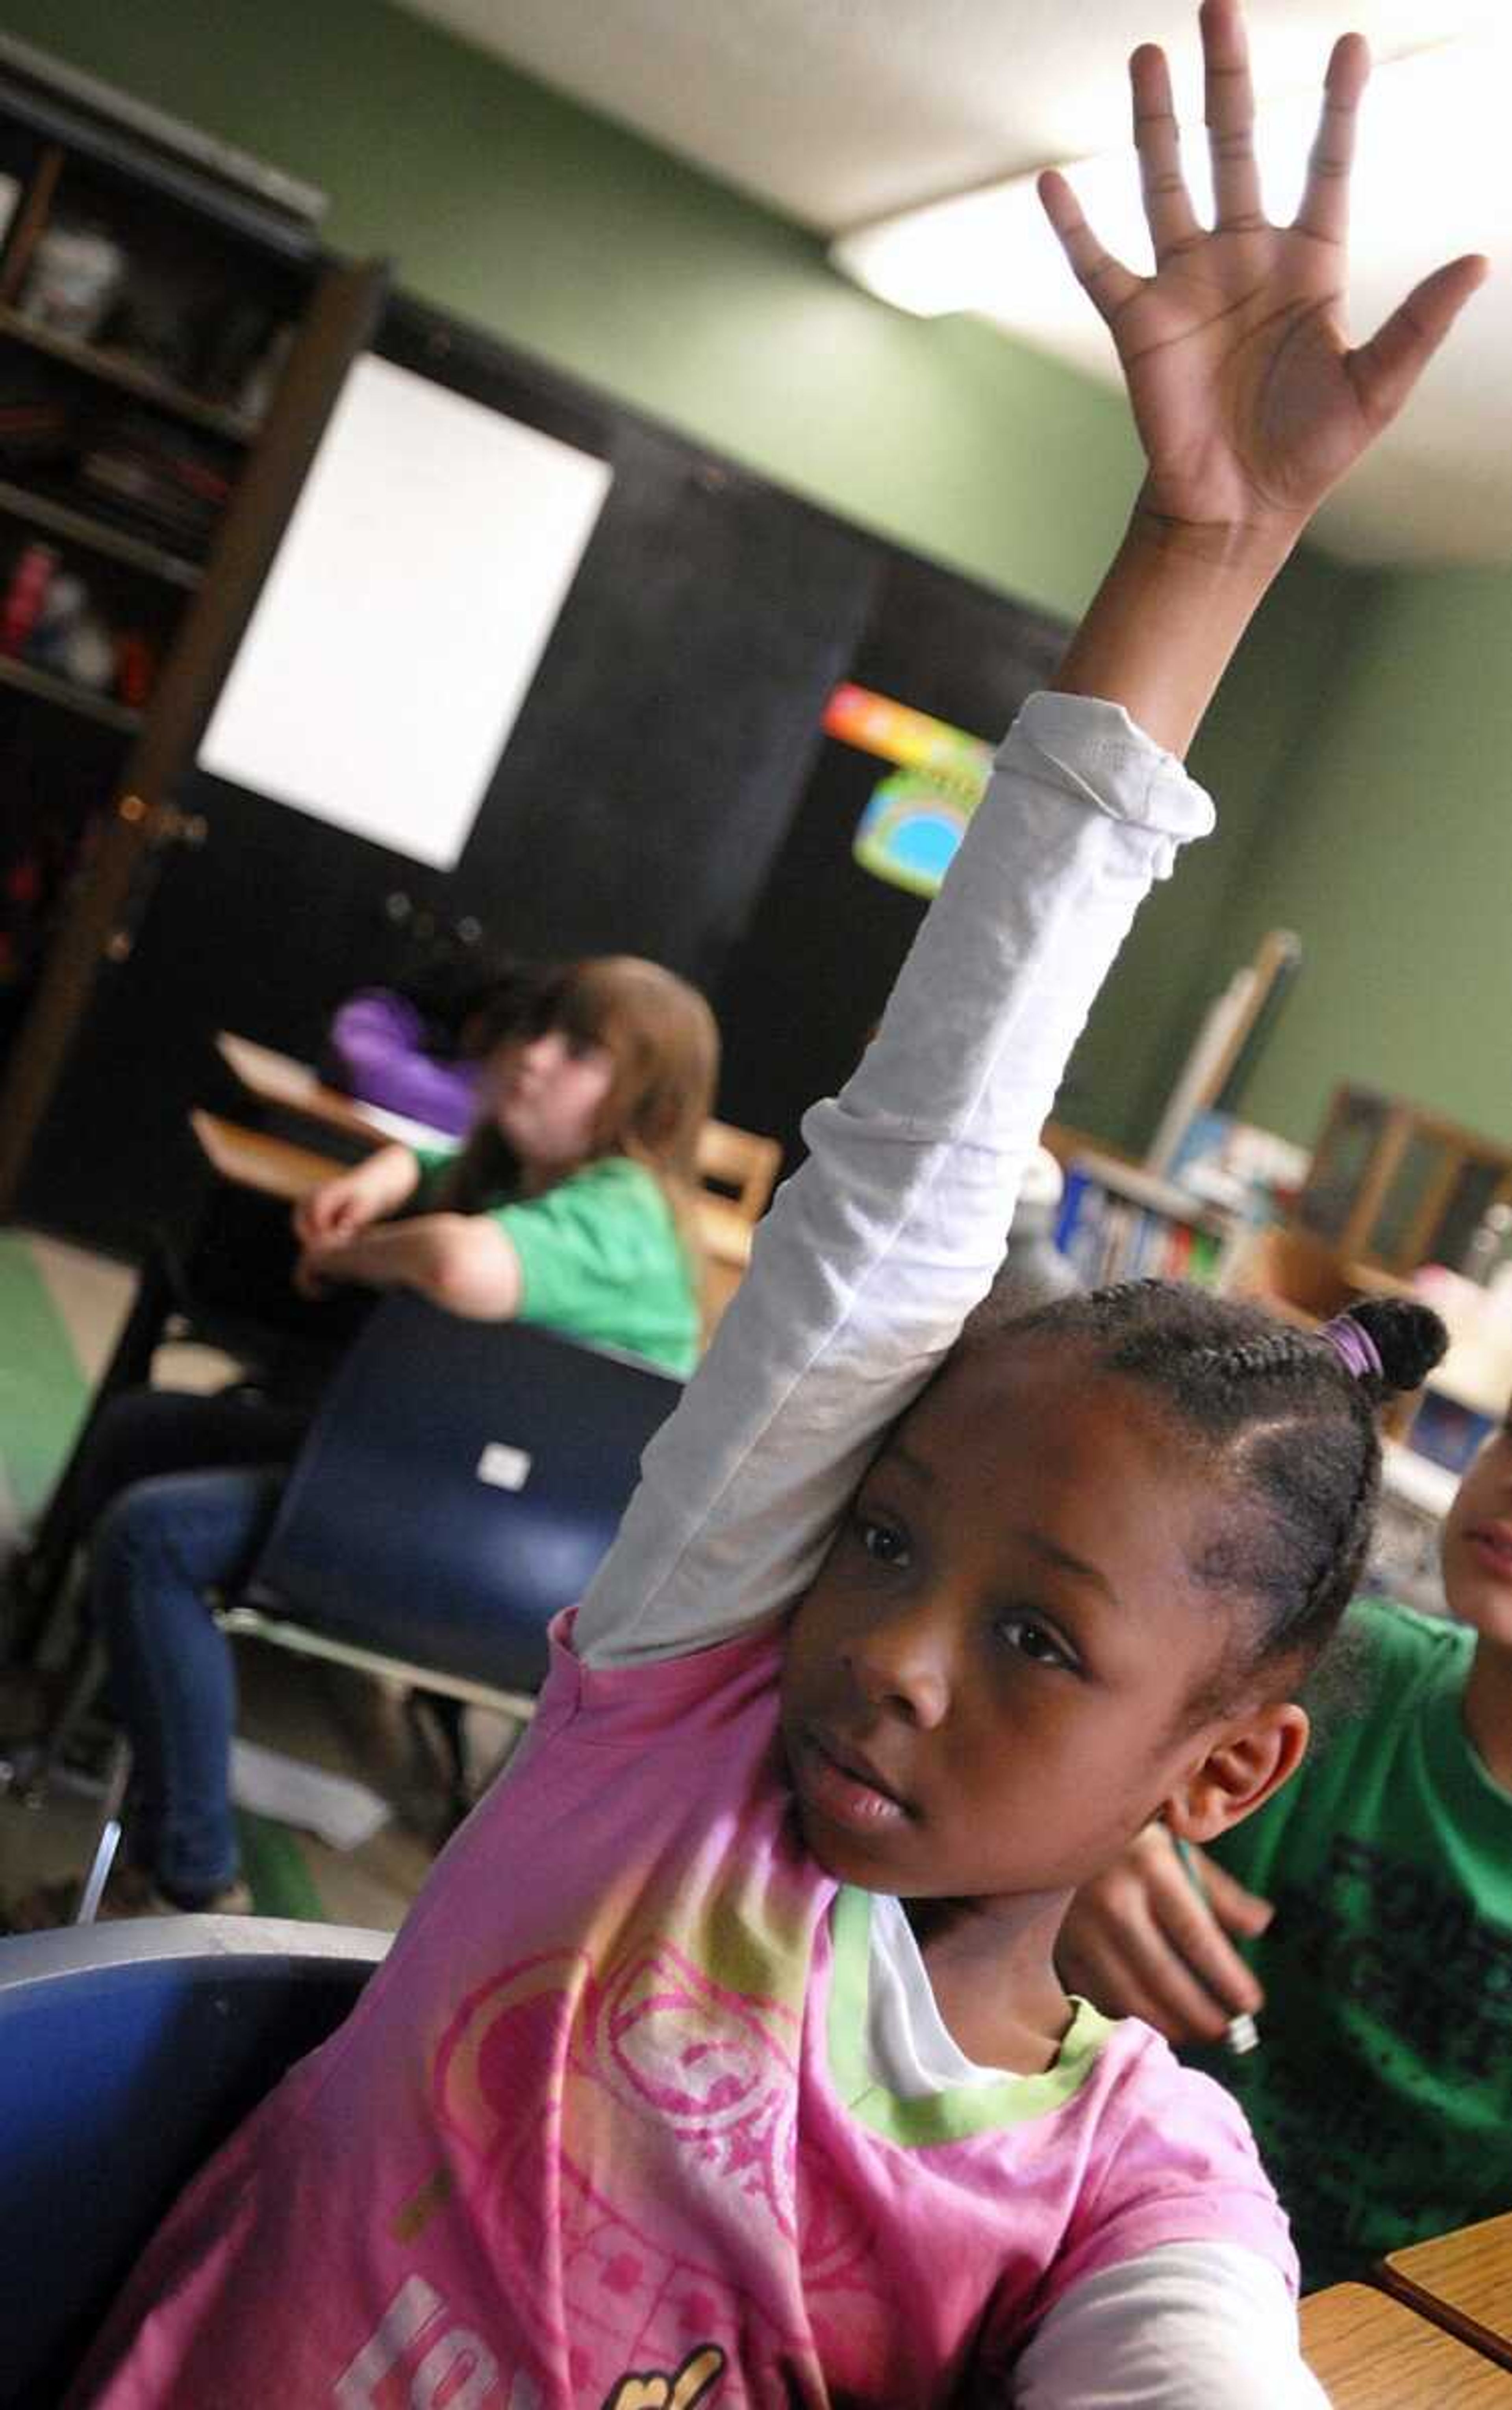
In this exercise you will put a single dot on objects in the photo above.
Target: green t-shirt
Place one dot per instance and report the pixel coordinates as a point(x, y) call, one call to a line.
point(601, 1259)
point(1381, 2091)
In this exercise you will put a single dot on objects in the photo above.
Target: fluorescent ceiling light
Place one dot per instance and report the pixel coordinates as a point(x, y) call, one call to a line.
point(1431, 120)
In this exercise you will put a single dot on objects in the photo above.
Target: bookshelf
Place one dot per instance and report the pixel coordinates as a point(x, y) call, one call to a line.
point(61, 519)
point(66, 696)
point(1118, 1222)
point(172, 338)
point(126, 376)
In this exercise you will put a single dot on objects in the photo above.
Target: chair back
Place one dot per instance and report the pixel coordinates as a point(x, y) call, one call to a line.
point(738, 1165)
point(128, 2053)
point(460, 1484)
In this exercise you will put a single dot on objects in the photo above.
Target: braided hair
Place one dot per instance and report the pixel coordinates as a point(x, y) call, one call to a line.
point(1286, 1430)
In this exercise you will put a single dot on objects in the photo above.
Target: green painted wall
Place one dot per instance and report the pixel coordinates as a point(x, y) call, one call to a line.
point(575, 239)
point(1196, 931)
point(1390, 851)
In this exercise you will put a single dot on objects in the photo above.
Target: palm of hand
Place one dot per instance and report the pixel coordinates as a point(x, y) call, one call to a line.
point(1238, 371)
point(1248, 400)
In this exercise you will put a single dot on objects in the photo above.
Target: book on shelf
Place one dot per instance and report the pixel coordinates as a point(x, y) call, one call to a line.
point(165, 481)
point(1106, 1238)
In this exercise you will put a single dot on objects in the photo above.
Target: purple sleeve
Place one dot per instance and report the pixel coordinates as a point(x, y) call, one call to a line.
point(375, 1038)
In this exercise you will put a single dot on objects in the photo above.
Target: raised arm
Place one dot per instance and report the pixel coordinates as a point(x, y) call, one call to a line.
point(1250, 404)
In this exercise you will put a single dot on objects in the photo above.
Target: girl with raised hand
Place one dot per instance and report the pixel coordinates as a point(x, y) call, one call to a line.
point(724, 2060)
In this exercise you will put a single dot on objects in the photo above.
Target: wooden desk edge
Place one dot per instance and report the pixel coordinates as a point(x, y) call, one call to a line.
point(1371, 2350)
point(274, 1167)
point(1439, 2312)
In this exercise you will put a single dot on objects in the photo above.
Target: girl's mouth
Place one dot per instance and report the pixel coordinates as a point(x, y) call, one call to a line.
point(1490, 1544)
point(845, 1788)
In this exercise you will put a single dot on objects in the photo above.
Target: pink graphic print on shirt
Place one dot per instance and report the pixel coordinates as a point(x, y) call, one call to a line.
point(648, 2206)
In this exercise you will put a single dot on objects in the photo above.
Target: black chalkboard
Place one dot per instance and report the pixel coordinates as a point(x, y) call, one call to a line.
point(666, 790)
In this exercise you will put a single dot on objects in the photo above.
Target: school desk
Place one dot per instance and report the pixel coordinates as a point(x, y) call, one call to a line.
point(1463, 2282)
point(1370, 2352)
point(294, 1103)
point(278, 1083)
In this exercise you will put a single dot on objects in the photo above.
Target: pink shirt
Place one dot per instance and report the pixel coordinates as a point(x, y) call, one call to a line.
point(626, 2118)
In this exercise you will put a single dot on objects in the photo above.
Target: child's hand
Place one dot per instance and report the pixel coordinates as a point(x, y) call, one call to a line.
point(336, 1210)
point(1142, 1941)
point(1248, 401)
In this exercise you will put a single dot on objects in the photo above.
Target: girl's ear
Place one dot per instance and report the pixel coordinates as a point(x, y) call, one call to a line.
point(1242, 1768)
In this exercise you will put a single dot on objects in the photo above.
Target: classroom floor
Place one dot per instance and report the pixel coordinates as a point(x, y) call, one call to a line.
point(60, 1310)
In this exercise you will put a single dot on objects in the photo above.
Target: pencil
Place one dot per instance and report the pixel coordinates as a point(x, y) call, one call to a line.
point(1242, 2033)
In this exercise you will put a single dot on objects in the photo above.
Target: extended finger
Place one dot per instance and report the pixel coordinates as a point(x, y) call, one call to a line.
point(1168, 206)
point(1384, 370)
point(1231, 116)
point(1237, 1909)
point(1324, 211)
point(1135, 1974)
point(1186, 1933)
point(1108, 283)
point(1170, 1975)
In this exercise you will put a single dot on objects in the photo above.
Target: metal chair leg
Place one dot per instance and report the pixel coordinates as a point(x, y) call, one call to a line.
point(88, 1673)
point(108, 1837)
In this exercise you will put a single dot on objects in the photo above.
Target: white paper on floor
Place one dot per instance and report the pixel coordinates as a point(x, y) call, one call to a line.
point(336, 1809)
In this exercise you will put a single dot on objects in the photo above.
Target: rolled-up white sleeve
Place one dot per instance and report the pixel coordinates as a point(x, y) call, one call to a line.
point(878, 1249)
point(1187, 2326)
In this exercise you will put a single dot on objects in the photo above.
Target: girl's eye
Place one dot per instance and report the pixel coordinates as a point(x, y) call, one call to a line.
point(882, 1541)
point(1029, 1637)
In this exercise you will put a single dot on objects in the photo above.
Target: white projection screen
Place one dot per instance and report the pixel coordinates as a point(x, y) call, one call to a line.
point(405, 612)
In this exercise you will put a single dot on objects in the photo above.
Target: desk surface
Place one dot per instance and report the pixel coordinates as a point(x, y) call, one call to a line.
point(276, 1166)
point(1464, 2280)
point(1370, 2352)
point(277, 1079)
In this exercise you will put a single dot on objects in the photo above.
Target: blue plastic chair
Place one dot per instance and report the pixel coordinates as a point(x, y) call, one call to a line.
point(127, 2054)
point(460, 1484)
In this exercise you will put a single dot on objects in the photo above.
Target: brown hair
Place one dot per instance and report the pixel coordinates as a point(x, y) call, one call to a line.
point(664, 1042)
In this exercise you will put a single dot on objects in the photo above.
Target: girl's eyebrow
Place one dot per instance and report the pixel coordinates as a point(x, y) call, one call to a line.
point(1054, 1554)
point(900, 1454)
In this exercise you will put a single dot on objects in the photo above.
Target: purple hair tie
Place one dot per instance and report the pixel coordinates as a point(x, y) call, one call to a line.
point(1353, 1346)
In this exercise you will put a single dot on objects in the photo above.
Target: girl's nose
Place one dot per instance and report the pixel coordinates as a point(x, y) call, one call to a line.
point(901, 1667)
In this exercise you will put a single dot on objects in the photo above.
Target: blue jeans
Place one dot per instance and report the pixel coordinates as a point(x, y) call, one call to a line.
point(184, 1490)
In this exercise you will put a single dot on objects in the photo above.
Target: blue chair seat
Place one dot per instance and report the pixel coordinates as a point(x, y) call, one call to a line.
point(128, 2053)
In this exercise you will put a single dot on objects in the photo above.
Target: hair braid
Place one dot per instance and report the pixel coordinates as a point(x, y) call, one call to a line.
point(1287, 1429)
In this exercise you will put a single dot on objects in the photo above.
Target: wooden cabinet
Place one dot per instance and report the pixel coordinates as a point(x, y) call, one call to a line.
point(1392, 1186)
point(171, 344)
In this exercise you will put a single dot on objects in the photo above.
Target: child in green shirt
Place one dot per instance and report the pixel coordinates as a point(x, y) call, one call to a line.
point(1370, 1904)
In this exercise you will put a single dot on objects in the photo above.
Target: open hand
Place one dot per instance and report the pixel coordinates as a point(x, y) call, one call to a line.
point(1248, 400)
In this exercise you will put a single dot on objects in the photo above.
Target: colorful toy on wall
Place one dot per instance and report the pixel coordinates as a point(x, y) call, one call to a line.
point(916, 815)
